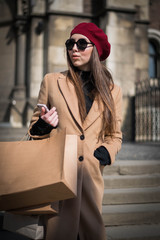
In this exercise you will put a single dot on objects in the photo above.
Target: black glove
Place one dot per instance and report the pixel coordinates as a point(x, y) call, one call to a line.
point(41, 128)
point(102, 155)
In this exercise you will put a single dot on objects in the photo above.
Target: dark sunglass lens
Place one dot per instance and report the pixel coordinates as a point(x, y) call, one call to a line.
point(82, 44)
point(69, 44)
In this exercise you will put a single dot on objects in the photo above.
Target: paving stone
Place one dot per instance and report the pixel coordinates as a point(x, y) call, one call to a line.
point(131, 181)
point(131, 195)
point(128, 214)
point(134, 232)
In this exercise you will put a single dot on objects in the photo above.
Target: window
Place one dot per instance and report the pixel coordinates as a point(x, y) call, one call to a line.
point(152, 61)
point(154, 53)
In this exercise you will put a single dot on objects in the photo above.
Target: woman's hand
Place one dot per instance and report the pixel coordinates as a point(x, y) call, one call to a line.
point(50, 117)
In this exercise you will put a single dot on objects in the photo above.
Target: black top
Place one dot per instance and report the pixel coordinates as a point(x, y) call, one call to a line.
point(88, 87)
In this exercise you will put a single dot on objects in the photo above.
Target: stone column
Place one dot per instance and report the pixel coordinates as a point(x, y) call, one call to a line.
point(120, 31)
point(20, 58)
point(36, 58)
point(36, 55)
point(19, 91)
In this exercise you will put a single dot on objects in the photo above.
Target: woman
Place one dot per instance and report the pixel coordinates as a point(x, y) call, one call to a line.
point(86, 102)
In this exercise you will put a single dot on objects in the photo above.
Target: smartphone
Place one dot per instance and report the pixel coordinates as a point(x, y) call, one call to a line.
point(43, 105)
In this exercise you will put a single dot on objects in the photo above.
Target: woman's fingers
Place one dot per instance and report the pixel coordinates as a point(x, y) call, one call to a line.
point(54, 121)
point(43, 111)
point(51, 111)
point(51, 117)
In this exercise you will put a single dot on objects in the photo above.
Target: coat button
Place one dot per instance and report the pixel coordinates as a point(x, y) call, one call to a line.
point(81, 158)
point(82, 137)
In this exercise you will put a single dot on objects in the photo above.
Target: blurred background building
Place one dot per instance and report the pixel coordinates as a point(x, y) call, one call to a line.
point(32, 37)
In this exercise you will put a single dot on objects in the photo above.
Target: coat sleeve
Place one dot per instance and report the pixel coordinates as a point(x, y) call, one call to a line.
point(42, 98)
point(113, 144)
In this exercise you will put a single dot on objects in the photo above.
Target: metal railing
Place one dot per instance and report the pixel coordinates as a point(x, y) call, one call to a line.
point(147, 110)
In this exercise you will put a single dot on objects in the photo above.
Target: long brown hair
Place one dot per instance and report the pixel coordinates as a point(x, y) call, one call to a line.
point(103, 86)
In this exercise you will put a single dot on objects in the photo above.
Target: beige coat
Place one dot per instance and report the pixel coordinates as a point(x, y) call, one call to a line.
point(83, 214)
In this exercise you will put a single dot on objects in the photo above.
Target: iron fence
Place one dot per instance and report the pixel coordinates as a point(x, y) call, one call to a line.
point(147, 110)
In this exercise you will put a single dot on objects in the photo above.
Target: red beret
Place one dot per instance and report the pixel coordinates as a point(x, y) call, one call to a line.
point(95, 35)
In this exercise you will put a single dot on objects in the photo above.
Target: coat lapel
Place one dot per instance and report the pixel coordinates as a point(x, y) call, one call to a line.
point(93, 114)
point(68, 92)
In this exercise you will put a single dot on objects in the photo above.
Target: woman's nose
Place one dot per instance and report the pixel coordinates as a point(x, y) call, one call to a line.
point(75, 47)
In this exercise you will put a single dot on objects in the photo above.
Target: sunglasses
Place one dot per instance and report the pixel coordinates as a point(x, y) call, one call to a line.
point(82, 44)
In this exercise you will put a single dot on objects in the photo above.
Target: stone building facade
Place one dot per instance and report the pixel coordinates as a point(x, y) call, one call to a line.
point(32, 37)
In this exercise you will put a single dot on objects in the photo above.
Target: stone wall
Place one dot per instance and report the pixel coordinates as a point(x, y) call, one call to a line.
point(40, 49)
point(154, 14)
point(59, 27)
point(126, 26)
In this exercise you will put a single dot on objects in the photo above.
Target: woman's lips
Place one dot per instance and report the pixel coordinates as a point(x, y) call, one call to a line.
point(75, 56)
